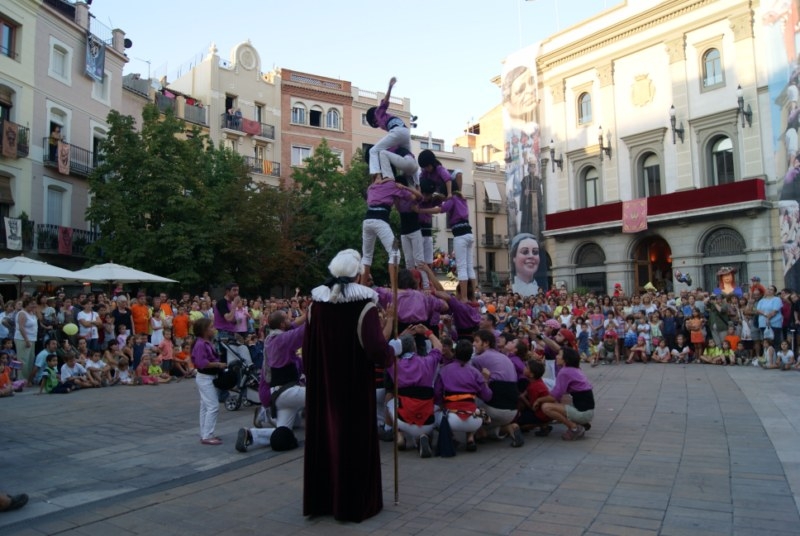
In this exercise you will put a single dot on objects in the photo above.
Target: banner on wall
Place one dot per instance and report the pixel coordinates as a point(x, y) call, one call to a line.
point(10, 133)
point(524, 195)
point(95, 57)
point(634, 215)
point(13, 233)
point(780, 23)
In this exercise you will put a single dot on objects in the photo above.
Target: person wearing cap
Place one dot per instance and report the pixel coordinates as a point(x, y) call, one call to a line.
point(726, 283)
point(433, 170)
point(343, 342)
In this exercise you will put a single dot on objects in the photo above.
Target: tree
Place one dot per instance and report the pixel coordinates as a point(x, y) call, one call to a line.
point(333, 205)
point(157, 198)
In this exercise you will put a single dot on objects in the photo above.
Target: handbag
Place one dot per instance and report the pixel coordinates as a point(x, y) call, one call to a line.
point(769, 333)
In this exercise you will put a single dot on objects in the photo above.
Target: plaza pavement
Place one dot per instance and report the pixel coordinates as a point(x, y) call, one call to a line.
point(674, 450)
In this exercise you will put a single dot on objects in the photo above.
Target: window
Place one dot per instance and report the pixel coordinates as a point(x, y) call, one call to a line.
point(491, 263)
point(299, 114)
point(259, 113)
point(591, 185)
point(8, 36)
point(712, 68)
point(584, 109)
point(315, 117)
point(340, 154)
point(650, 176)
point(100, 90)
point(364, 120)
point(332, 120)
point(433, 146)
point(722, 171)
point(300, 154)
point(54, 212)
point(60, 61)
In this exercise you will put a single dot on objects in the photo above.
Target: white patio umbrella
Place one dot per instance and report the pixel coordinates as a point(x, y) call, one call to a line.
point(24, 268)
point(116, 273)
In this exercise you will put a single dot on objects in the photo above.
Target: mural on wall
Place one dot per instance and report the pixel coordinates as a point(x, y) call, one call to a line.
point(524, 193)
point(781, 33)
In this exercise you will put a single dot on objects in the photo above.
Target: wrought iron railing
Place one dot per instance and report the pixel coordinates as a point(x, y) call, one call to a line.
point(232, 122)
point(265, 167)
point(81, 161)
point(47, 239)
point(23, 139)
point(492, 240)
point(164, 103)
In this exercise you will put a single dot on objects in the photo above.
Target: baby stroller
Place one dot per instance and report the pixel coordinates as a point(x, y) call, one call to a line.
point(243, 376)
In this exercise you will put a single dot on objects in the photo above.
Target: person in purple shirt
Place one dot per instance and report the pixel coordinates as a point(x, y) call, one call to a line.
point(570, 380)
point(398, 134)
point(457, 388)
point(502, 377)
point(413, 305)
point(427, 188)
point(415, 416)
point(432, 169)
point(410, 229)
point(206, 360)
point(225, 312)
point(381, 195)
point(463, 240)
point(288, 394)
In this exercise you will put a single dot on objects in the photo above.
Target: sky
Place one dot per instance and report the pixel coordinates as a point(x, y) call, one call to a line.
point(444, 53)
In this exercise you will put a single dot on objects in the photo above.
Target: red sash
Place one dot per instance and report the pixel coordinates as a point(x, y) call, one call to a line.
point(462, 405)
point(415, 410)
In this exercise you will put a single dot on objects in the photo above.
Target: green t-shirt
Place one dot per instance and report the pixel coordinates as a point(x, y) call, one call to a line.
point(51, 379)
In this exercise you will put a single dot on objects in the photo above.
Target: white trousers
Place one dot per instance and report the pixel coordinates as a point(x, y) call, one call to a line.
point(209, 405)
point(427, 249)
point(371, 229)
point(468, 425)
point(412, 249)
point(462, 247)
point(289, 405)
point(407, 165)
point(397, 137)
point(411, 431)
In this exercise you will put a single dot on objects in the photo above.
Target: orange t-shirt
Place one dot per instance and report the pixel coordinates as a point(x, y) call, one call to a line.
point(166, 310)
point(180, 326)
point(733, 340)
point(140, 314)
point(5, 379)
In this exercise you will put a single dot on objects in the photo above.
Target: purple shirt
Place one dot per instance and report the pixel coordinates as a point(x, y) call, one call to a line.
point(499, 365)
point(465, 316)
point(413, 306)
point(569, 380)
point(426, 220)
point(519, 366)
point(417, 370)
point(456, 377)
point(385, 193)
point(203, 354)
point(382, 115)
point(456, 210)
point(219, 316)
point(440, 176)
point(281, 348)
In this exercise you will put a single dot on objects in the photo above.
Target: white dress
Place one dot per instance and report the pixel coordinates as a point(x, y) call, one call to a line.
point(158, 330)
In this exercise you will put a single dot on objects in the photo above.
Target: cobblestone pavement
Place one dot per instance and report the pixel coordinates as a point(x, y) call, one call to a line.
point(674, 450)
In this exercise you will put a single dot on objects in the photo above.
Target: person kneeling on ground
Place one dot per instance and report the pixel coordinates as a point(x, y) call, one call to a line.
point(280, 438)
point(570, 380)
point(528, 418)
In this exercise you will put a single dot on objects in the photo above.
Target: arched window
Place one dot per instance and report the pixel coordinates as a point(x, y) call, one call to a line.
point(299, 114)
point(720, 151)
point(724, 247)
point(590, 188)
point(584, 109)
point(590, 255)
point(650, 175)
point(712, 68)
point(332, 119)
point(315, 116)
point(589, 265)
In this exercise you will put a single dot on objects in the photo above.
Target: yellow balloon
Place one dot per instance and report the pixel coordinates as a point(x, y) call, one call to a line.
point(70, 329)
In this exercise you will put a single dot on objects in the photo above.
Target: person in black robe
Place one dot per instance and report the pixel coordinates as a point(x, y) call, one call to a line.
point(343, 342)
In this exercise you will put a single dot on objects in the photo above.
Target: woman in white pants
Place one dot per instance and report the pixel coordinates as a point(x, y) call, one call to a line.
point(206, 361)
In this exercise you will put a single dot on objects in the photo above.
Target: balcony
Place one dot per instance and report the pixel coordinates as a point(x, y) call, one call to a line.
point(711, 201)
point(137, 85)
point(488, 206)
point(241, 125)
point(164, 103)
point(493, 240)
point(493, 279)
point(264, 167)
point(195, 114)
point(65, 8)
point(23, 139)
point(81, 161)
point(47, 239)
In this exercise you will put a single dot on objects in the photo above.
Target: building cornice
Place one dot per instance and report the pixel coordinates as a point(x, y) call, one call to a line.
point(639, 23)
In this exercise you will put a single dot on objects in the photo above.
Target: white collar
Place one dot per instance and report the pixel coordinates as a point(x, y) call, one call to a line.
point(352, 292)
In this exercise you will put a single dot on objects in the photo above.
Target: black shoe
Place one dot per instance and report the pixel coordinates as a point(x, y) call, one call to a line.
point(587, 426)
point(386, 434)
point(472, 446)
point(17, 502)
point(544, 431)
point(425, 447)
point(243, 440)
point(518, 440)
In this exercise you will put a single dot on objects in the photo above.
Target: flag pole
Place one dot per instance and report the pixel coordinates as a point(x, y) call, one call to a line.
point(394, 263)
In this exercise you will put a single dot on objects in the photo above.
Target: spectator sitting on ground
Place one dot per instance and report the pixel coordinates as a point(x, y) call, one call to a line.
point(570, 380)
